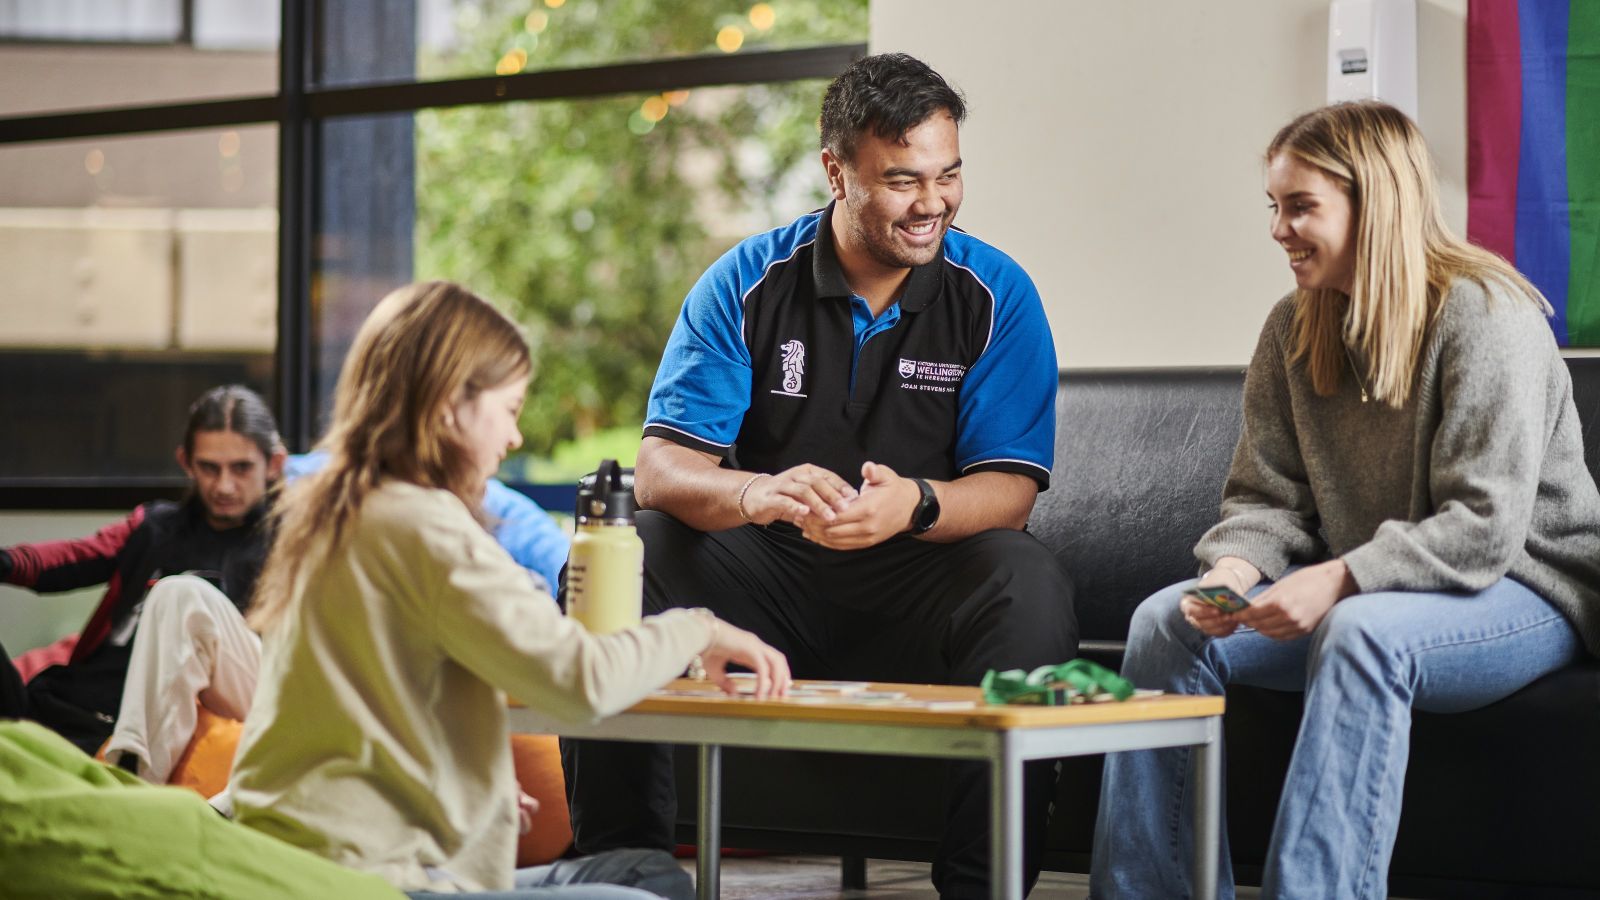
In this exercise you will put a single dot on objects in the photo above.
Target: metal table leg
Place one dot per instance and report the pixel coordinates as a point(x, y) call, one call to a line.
point(1207, 764)
point(1005, 822)
point(852, 873)
point(708, 855)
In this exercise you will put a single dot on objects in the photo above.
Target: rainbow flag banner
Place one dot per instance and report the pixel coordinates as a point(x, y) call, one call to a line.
point(1533, 149)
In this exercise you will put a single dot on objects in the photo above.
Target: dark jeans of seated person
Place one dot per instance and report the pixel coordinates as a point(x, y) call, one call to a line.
point(906, 610)
point(618, 875)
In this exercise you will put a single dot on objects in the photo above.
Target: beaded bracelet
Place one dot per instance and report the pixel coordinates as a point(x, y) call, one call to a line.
point(740, 503)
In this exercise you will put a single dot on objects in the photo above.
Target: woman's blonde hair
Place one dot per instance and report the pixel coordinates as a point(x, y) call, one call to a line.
point(1405, 255)
point(424, 347)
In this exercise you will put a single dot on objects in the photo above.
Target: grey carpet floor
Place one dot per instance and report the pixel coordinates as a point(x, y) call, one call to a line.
point(817, 878)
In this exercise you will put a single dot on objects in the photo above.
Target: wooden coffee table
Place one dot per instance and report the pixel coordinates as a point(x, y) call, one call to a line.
point(1006, 736)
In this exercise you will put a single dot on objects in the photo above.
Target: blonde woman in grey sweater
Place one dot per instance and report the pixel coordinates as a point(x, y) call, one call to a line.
point(1408, 512)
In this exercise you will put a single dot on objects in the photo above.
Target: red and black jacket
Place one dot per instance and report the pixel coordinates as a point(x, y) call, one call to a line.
point(157, 539)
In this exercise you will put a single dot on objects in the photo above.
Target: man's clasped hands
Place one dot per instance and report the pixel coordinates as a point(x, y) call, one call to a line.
point(831, 512)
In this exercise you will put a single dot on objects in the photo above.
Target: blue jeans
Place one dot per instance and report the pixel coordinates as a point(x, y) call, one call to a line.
point(613, 875)
point(1372, 658)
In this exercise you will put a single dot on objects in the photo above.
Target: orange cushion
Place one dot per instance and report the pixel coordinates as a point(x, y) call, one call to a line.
point(538, 761)
point(208, 760)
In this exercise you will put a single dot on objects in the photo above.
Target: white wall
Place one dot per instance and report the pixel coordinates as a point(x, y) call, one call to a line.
point(1113, 149)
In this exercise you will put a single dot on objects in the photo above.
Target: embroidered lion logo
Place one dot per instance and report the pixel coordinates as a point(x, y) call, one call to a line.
point(794, 366)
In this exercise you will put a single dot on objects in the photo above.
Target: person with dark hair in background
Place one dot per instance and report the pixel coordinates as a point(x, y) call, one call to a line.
point(849, 426)
point(232, 455)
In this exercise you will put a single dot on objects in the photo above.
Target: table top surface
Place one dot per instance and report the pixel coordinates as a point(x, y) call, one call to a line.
point(951, 709)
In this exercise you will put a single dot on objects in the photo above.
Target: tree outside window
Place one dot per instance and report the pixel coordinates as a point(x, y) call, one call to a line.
point(590, 220)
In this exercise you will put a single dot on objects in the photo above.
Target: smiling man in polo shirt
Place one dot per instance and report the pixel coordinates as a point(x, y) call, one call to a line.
point(846, 435)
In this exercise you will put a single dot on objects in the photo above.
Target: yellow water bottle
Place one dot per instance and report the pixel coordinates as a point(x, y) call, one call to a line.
point(605, 571)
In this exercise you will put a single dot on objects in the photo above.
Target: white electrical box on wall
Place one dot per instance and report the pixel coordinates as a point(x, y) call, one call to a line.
point(1372, 52)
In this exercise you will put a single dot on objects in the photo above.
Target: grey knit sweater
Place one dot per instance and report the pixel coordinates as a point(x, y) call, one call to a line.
point(1480, 475)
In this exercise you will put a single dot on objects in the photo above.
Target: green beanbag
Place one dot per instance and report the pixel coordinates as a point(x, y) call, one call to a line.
point(74, 827)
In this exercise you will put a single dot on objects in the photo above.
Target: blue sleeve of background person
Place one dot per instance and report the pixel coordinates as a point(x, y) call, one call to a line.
point(1007, 415)
point(299, 464)
point(527, 532)
point(702, 389)
point(521, 526)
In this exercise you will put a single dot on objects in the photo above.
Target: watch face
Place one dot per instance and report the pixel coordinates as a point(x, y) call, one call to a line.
point(927, 509)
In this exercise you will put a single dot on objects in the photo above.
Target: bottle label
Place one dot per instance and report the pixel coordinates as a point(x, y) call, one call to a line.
point(605, 579)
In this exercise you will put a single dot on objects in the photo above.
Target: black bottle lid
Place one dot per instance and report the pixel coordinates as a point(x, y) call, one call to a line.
point(605, 496)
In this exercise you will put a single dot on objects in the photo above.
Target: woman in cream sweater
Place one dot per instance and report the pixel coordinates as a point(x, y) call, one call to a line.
point(394, 626)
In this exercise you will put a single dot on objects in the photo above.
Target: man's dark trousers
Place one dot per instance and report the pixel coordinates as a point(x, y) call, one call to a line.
point(907, 610)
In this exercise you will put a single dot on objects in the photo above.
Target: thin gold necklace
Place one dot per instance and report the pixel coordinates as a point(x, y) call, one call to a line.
point(1360, 382)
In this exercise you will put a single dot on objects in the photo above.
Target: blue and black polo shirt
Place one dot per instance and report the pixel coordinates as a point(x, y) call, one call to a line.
point(774, 362)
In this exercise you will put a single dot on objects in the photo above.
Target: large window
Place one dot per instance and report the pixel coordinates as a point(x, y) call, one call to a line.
point(577, 161)
point(457, 38)
point(137, 271)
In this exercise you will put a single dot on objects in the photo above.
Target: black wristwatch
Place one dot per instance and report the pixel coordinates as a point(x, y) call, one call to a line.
point(926, 513)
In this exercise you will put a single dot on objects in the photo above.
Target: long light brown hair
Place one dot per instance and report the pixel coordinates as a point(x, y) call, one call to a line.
point(424, 347)
point(1406, 256)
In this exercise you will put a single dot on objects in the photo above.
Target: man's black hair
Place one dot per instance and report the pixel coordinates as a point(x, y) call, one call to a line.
point(890, 94)
point(235, 408)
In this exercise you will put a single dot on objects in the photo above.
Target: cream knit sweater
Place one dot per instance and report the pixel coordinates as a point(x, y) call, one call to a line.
point(378, 734)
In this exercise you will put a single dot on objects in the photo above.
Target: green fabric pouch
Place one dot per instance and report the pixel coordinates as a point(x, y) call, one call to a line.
point(1076, 681)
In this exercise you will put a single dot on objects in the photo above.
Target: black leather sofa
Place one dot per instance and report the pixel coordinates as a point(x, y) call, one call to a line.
point(1503, 802)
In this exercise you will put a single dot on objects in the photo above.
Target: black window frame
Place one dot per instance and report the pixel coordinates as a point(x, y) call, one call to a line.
point(296, 109)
